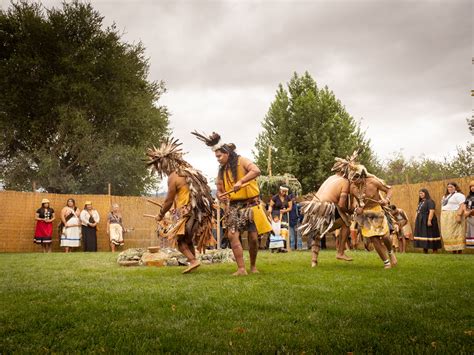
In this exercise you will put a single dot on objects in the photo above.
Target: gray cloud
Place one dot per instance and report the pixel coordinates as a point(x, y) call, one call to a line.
point(404, 67)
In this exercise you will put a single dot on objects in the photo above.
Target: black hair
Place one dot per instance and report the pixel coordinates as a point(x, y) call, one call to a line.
point(427, 194)
point(456, 187)
point(232, 162)
point(73, 201)
point(393, 207)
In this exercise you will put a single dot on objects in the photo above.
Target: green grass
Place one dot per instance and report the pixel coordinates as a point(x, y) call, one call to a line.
point(86, 303)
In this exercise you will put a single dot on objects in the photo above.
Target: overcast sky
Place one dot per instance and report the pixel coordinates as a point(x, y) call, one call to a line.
point(403, 68)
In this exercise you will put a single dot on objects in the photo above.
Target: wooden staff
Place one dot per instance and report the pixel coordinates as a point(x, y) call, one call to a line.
point(155, 203)
point(149, 215)
point(232, 191)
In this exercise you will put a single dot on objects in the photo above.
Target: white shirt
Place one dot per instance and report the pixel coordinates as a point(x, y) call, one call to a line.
point(454, 202)
point(85, 217)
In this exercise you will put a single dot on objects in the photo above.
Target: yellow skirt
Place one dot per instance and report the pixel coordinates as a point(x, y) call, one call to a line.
point(452, 232)
point(373, 222)
point(261, 220)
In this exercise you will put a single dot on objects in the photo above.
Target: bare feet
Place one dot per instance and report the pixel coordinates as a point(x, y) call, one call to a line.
point(240, 272)
point(314, 263)
point(388, 266)
point(343, 257)
point(393, 259)
point(194, 265)
point(254, 270)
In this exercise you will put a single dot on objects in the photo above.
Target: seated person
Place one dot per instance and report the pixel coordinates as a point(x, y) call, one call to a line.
point(277, 242)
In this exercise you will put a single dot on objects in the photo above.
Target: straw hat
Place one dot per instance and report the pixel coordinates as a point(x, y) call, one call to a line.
point(88, 203)
point(45, 200)
point(471, 183)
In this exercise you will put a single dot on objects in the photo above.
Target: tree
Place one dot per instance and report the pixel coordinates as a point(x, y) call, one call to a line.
point(76, 108)
point(307, 128)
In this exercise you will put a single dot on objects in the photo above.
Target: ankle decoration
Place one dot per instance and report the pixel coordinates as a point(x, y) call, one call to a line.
point(386, 262)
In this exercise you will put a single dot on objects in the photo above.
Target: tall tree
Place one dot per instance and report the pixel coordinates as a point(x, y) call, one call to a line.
point(306, 128)
point(76, 107)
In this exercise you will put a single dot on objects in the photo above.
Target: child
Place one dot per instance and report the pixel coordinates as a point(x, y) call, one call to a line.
point(276, 240)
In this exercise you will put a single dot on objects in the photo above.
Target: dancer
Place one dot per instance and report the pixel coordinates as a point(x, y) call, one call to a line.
point(327, 210)
point(189, 192)
point(368, 205)
point(238, 188)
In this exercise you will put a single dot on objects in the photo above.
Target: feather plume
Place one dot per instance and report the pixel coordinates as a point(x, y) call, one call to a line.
point(210, 141)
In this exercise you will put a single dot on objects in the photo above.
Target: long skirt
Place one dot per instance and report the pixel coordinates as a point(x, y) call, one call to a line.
point(71, 236)
point(116, 234)
point(43, 232)
point(89, 237)
point(452, 232)
point(470, 232)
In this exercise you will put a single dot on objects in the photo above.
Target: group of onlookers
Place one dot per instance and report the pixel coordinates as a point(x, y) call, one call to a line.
point(456, 220)
point(76, 226)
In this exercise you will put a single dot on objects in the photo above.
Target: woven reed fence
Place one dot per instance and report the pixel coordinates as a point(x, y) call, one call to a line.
point(406, 196)
point(17, 222)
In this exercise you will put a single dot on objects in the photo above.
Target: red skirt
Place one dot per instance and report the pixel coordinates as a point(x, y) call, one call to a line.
point(43, 232)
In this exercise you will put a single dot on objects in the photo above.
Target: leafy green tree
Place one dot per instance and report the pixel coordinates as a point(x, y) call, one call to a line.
point(306, 128)
point(76, 108)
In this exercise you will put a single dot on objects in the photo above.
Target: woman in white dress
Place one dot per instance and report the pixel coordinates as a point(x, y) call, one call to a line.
point(71, 226)
point(452, 219)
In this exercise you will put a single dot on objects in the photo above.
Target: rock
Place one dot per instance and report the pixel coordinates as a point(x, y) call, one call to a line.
point(154, 249)
point(172, 262)
point(154, 259)
point(132, 254)
point(183, 261)
point(205, 262)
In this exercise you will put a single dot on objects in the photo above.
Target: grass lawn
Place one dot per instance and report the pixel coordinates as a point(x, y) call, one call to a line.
point(87, 303)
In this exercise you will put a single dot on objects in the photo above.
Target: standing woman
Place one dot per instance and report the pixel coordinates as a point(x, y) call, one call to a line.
point(281, 204)
point(89, 219)
point(44, 226)
point(427, 234)
point(115, 228)
point(452, 219)
point(71, 231)
point(468, 209)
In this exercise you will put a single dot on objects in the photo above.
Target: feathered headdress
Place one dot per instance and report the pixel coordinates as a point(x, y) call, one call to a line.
point(167, 158)
point(213, 141)
point(349, 167)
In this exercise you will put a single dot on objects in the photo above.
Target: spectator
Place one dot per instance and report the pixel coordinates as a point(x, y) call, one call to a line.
point(402, 231)
point(70, 226)
point(295, 238)
point(89, 219)
point(115, 227)
point(427, 234)
point(281, 204)
point(452, 219)
point(468, 209)
point(44, 226)
point(277, 241)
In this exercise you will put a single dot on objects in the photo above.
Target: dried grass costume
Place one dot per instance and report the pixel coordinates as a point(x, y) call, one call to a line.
point(193, 202)
point(322, 217)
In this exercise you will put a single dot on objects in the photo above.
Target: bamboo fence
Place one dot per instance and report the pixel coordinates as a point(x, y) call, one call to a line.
point(17, 223)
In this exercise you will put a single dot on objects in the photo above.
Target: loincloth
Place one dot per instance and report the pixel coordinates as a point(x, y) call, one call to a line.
point(373, 222)
point(321, 217)
point(184, 225)
point(247, 215)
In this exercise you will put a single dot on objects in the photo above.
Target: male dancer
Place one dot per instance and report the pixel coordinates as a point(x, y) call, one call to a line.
point(189, 192)
point(238, 188)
